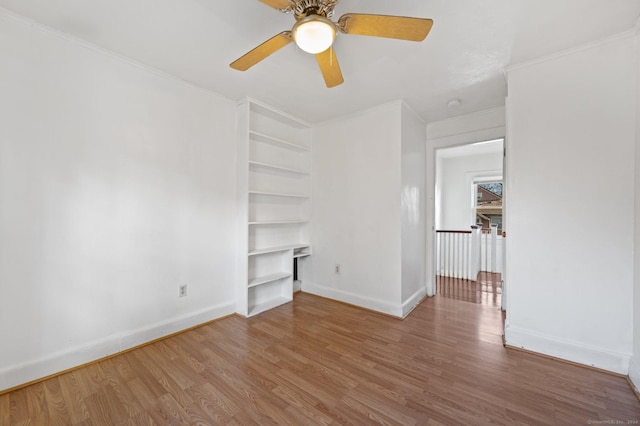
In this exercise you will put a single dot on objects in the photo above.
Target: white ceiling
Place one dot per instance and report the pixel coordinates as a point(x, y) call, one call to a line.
point(463, 57)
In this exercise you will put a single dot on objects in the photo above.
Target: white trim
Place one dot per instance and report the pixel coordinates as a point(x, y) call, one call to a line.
point(473, 178)
point(580, 353)
point(634, 371)
point(477, 127)
point(634, 365)
point(412, 302)
point(467, 138)
point(105, 52)
point(573, 50)
point(466, 117)
point(353, 299)
point(69, 358)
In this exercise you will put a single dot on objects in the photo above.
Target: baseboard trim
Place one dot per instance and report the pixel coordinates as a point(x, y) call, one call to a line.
point(633, 388)
point(371, 304)
point(611, 373)
point(412, 302)
point(634, 375)
point(565, 361)
point(356, 306)
point(574, 352)
point(23, 375)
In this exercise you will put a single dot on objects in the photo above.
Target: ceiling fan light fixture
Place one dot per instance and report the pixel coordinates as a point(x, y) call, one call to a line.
point(314, 34)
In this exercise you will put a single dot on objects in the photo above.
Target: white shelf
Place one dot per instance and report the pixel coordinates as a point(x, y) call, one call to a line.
point(274, 188)
point(261, 137)
point(278, 222)
point(275, 302)
point(259, 164)
point(278, 194)
point(277, 249)
point(281, 116)
point(268, 279)
point(302, 251)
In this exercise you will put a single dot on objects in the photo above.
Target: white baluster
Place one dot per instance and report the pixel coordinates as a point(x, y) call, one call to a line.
point(494, 247)
point(476, 247)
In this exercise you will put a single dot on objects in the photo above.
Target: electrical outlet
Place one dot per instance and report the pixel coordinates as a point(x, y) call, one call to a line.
point(337, 269)
point(182, 292)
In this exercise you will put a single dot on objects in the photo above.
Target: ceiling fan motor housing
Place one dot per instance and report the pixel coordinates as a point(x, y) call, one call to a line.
point(303, 8)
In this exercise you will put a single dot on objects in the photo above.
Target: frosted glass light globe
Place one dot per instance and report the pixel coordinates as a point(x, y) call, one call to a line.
point(314, 34)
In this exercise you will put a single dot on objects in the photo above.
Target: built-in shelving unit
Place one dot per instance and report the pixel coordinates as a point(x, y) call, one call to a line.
point(268, 279)
point(274, 192)
point(258, 164)
point(301, 252)
point(270, 139)
point(295, 247)
point(277, 222)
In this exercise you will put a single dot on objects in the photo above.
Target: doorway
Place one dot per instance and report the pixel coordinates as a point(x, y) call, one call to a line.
point(469, 193)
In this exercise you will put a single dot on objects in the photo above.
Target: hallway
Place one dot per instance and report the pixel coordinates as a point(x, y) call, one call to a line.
point(486, 291)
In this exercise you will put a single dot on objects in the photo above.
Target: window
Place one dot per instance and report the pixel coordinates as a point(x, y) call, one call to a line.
point(489, 204)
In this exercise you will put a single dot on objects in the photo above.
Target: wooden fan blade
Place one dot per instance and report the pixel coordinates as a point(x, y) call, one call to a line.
point(276, 4)
point(259, 53)
point(400, 27)
point(330, 67)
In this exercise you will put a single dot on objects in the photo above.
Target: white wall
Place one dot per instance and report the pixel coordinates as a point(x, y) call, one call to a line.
point(116, 186)
point(634, 368)
point(356, 216)
point(457, 131)
point(456, 194)
point(570, 150)
point(368, 210)
point(412, 207)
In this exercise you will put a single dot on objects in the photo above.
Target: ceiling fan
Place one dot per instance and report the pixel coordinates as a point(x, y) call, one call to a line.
point(314, 32)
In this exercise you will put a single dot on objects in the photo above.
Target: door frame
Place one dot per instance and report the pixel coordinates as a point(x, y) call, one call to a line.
point(433, 145)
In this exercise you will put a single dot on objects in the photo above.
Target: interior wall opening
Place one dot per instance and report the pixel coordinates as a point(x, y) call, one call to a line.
point(469, 200)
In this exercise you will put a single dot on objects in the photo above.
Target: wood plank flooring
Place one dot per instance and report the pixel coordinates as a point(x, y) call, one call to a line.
point(316, 361)
point(486, 290)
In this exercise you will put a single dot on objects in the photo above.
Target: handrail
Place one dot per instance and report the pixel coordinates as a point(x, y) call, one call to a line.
point(464, 253)
point(449, 231)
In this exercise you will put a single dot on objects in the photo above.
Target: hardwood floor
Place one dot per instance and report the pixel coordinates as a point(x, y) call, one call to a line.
point(315, 361)
point(486, 290)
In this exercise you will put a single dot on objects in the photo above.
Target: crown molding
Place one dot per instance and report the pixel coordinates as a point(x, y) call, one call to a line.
point(577, 49)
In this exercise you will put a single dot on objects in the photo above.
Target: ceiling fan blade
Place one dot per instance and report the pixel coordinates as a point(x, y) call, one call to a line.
point(330, 67)
point(276, 4)
point(400, 27)
point(259, 53)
